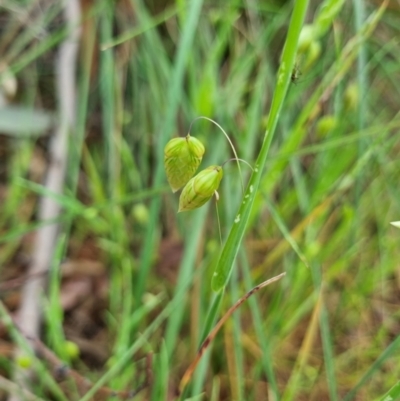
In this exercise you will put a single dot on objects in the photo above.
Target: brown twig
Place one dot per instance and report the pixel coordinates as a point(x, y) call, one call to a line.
point(189, 371)
point(13, 283)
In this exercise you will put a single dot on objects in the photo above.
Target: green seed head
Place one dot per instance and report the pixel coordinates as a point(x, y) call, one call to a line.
point(313, 53)
point(182, 157)
point(200, 188)
point(140, 213)
point(307, 35)
point(24, 361)
point(325, 125)
point(71, 349)
point(351, 97)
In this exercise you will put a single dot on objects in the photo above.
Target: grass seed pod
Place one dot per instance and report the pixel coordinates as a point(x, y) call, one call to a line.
point(351, 97)
point(200, 188)
point(182, 157)
point(325, 125)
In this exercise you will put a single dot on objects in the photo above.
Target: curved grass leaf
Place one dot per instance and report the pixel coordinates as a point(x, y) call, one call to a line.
point(230, 250)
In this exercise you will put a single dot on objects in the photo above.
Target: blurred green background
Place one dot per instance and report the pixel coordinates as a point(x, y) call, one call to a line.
point(130, 271)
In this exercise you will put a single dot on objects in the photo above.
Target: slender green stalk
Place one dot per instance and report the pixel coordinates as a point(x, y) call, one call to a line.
point(229, 252)
point(263, 339)
point(116, 368)
point(332, 77)
point(391, 350)
point(237, 334)
point(185, 272)
point(328, 354)
point(281, 224)
point(108, 97)
point(362, 77)
point(38, 365)
point(327, 199)
point(392, 394)
point(166, 129)
point(136, 31)
point(160, 387)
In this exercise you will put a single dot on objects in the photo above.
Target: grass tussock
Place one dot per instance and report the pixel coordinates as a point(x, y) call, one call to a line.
point(309, 96)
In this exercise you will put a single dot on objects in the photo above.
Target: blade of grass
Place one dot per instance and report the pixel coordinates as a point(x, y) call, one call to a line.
point(108, 98)
point(362, 82)
point(264, 341)
point(160, 389)
point(393, 394)
point(136, 31)
point(198, 224)
point(137, 344)
point(166, 128)
point(189, 371)
point(37, 363)
point(21, 41)
point(311, 109)
point(238, 364)
point(225, 264)
point(390, 351)
point(286, 233)
point(304, 353)
point(12, 388)
point(229, 252)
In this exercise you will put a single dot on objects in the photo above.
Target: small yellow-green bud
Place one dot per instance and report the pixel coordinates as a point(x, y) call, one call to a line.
point(90, 213)
point(313, 54)
point(71, 349)
point(306, 37)
point(200, 188)
point(140, 213)
point(325, 125)
point(150, 299)
point(313, 250)
point(24, 361)
point(182, 157)
point(351, 97)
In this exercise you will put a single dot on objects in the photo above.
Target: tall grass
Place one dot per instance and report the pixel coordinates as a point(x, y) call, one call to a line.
point(320, 199)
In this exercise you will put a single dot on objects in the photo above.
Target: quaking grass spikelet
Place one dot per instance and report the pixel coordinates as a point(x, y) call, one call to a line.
point(182, 157)
point(200, 188)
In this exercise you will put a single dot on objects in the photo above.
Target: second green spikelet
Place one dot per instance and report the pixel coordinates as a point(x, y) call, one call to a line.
point(200, 188)
point(182, 157)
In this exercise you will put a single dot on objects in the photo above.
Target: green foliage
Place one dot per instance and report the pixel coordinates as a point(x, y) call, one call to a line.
point(223, 270)
point(318, 205)
point(392, 394)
